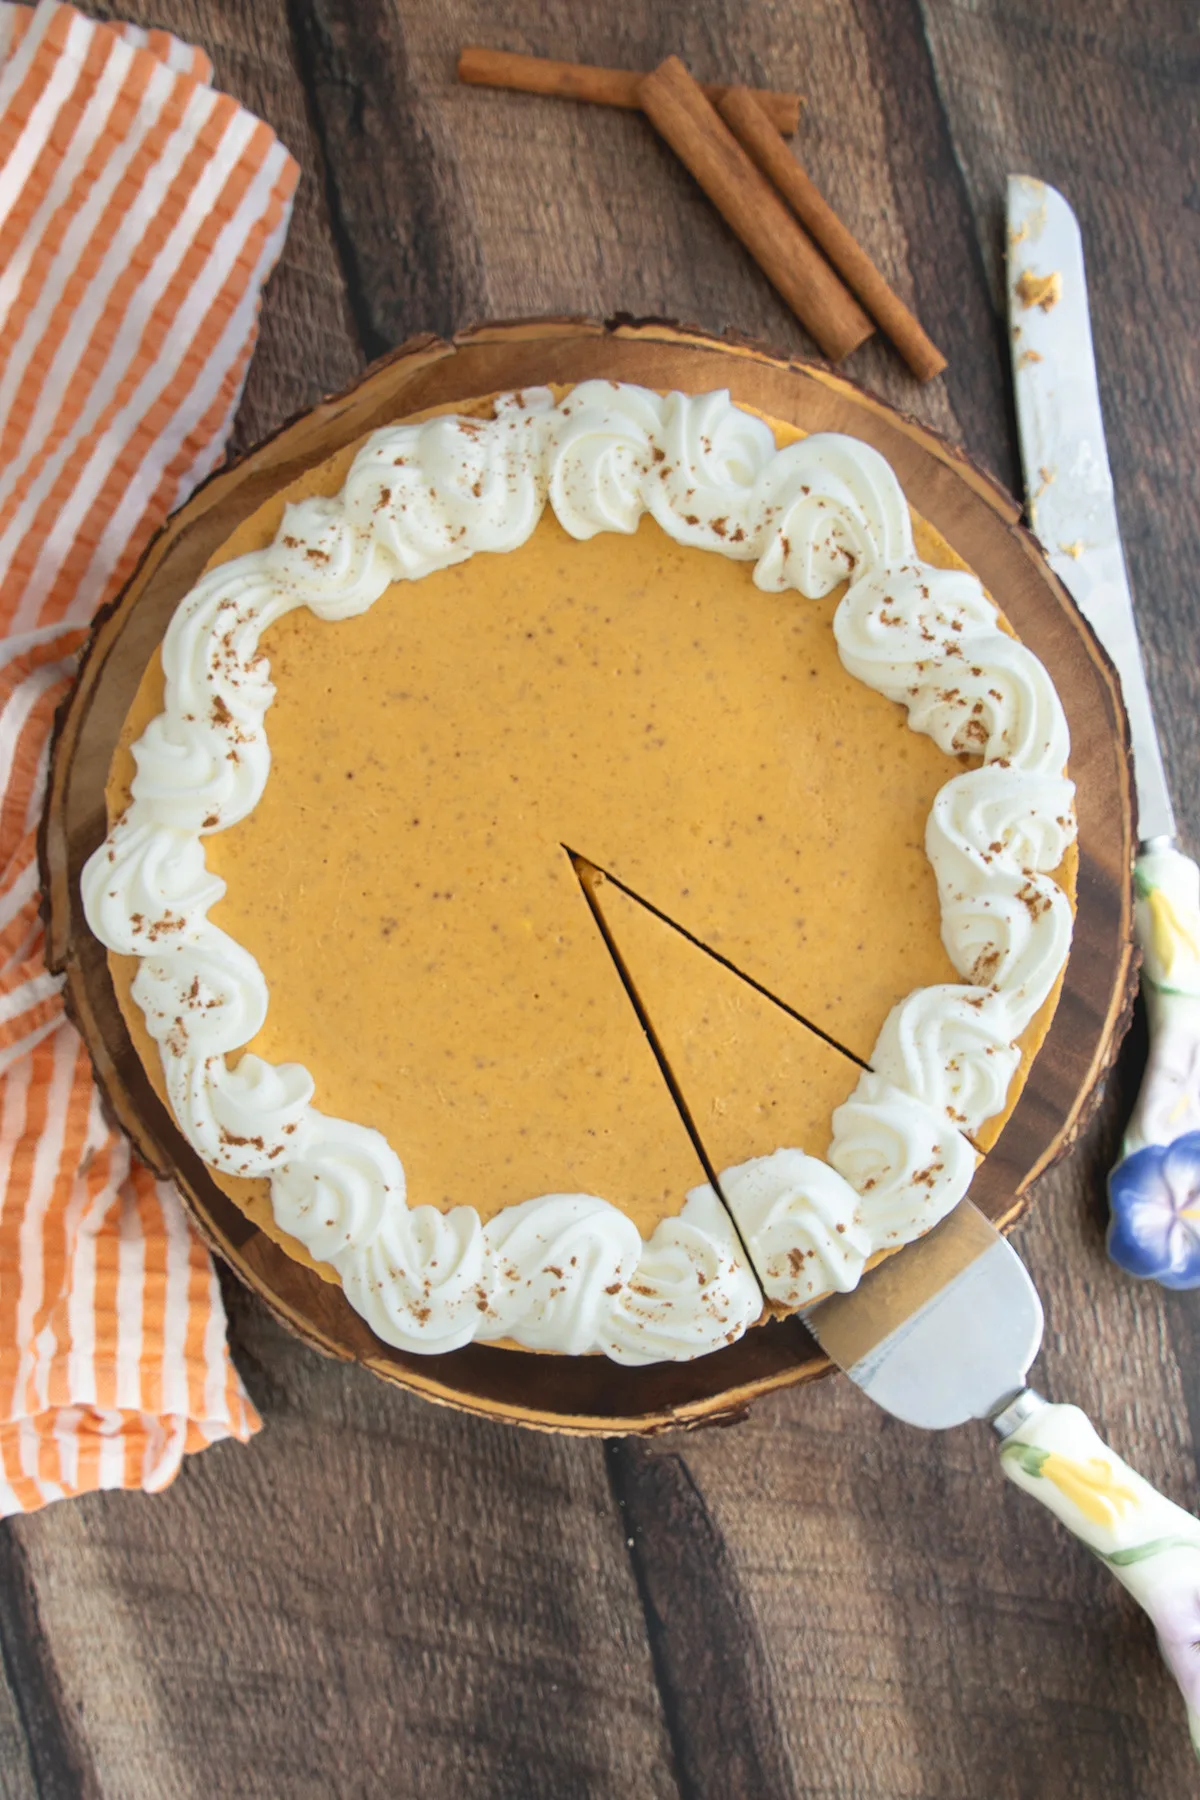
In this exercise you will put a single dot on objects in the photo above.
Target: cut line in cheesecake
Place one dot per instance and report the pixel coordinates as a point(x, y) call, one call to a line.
point(585, 871)
point(776, 1112)
point(589, 872)
point(583, 864)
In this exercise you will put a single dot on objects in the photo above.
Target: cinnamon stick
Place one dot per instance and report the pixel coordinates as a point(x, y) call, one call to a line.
point(677, 108)
point(605, 87)
point(758, 137)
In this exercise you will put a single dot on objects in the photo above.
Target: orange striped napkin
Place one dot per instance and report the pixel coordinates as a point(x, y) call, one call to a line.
point(140, 214)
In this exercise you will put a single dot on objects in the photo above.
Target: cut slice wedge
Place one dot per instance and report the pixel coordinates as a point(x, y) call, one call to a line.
point(751, 1076)
point(762, 1093)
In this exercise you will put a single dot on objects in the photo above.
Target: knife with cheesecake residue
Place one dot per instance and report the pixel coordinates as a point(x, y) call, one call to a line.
point(1154, 1189)
point(945, 1330)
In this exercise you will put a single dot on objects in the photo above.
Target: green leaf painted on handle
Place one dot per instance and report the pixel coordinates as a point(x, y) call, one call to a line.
point(1027, 1457)
point(1139, 1552)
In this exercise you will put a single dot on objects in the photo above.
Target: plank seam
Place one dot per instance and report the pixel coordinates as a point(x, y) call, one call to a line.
point(304, 26)
point(615, 1459)
point(60, 1764)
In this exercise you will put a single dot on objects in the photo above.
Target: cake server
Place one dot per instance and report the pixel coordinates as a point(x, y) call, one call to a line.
point(945, 1331)
point(1155, 1188)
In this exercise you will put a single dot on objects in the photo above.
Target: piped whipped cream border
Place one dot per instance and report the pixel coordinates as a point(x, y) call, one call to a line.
point(570, 1272)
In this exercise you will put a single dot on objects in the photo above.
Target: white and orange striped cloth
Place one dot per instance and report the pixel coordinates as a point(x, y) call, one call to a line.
point(140, 214)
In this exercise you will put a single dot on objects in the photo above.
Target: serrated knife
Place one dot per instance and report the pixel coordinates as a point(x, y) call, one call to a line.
point(1155, 1188)
point(944, 1332)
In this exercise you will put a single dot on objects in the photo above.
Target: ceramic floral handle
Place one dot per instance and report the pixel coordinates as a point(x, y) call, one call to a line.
point(1151, 1545)
point(1154, 1190)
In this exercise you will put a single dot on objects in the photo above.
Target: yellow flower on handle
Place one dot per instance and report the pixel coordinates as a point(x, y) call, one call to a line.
point(1170, 935)
point(1091, 1486)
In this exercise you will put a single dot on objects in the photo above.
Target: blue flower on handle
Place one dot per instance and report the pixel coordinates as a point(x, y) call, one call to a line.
point(1155, 1199)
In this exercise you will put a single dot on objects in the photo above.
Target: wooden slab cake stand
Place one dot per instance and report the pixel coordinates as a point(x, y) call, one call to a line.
point(981, 522)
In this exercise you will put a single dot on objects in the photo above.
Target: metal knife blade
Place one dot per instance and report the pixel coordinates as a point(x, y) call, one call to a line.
point(1068, 483)
point(943, 1331)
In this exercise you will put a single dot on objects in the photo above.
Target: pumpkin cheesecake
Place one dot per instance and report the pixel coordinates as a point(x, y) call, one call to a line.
point(589, 870)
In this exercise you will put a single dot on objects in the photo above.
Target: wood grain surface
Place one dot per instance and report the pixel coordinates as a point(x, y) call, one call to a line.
point(380, 1597)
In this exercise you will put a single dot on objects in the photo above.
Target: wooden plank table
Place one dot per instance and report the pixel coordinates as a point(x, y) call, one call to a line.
point(382, 1598)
